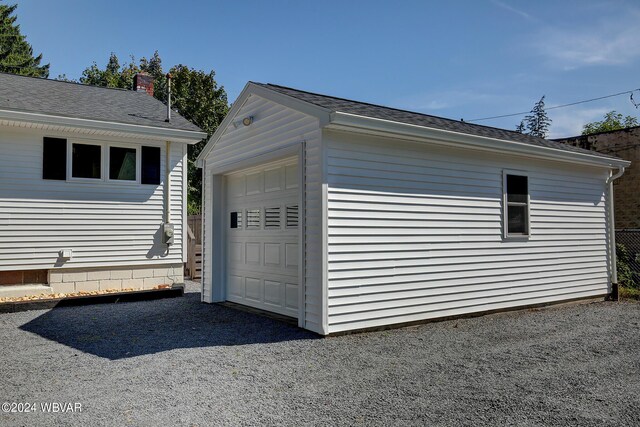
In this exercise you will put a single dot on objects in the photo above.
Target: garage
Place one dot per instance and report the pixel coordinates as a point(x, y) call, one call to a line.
point(262, 231)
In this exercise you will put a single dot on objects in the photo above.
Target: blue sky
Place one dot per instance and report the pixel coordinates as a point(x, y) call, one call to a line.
point(457, 59)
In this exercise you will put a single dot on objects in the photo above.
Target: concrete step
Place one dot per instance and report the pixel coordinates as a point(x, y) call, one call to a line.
point(16, 291)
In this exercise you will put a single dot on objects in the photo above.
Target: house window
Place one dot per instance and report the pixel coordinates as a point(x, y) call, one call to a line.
point(122, 163)
point(150, 173)
point(86, 161)
point(516, 198)
point(54, 158)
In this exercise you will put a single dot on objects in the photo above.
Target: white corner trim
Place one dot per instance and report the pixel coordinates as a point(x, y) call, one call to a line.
point(356, 123)
point(178, 135)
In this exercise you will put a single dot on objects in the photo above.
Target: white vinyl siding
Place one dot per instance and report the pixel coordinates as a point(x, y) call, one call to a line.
point(105, 223)
point(416, 232)
point(274, 127)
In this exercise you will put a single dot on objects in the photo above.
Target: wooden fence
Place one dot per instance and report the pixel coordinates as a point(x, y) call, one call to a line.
point(193, 267)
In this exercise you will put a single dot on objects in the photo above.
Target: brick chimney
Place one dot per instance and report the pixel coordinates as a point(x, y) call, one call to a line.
point(143, 82)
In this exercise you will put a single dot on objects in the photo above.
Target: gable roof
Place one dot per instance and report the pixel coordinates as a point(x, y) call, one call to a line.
point(341, 105)
point(344, 114)
point(75, 100)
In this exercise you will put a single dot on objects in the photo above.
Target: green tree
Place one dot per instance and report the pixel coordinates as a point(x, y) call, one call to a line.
point(611, 121)
point(195, 94)
point(538, 122)
point(521, 127)
point(16, 54)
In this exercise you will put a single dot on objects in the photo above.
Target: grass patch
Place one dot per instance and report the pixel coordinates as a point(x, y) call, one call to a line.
point(629, 293)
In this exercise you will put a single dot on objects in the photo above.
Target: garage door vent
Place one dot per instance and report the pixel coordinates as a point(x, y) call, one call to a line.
point(292, 215)
point(272, 217)
point(253, 218)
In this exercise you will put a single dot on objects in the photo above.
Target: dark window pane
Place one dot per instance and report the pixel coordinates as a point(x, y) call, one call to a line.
point(150, 173)
point(85, 161)
point(234, 220)
point(517, 221)
point(122, 163)
point(54, 158)
point(517, 188)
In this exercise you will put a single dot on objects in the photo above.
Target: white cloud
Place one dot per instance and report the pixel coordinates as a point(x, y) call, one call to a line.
point(512, 9)
point(609, 42)
point(569, 122)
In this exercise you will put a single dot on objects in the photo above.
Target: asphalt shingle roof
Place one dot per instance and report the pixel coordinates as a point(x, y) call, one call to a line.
point(58, 98)
point(342, 105)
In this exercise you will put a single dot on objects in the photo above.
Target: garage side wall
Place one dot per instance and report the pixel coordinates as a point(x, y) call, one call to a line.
point(415, 232)
point(275, 127)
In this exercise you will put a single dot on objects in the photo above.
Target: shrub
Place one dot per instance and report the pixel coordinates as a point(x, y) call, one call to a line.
point(626, 277)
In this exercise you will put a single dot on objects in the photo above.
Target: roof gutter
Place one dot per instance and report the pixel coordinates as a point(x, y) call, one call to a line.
point(139, 131)
point(373, 126)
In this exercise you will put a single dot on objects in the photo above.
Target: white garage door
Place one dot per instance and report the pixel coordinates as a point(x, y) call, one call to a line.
point(262, 237)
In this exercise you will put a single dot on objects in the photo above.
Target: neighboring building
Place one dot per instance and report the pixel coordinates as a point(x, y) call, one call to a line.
point(88, 178)
point(348, 215)
point(624, 143)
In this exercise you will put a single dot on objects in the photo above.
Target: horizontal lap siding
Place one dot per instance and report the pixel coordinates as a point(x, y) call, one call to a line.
point(415, 232)
point(275, 127)
point(105, 223)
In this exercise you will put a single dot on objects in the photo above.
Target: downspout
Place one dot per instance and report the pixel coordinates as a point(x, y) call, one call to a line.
point(612, 233)
point(167, 185)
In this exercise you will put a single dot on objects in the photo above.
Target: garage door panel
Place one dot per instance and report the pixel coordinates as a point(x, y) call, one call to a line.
point(262, 238)
point(253, 289)
point(291, 255)
point(252, 253)
point(236, 286)
point(291, 297)
point(272, 254)
point(272, 293)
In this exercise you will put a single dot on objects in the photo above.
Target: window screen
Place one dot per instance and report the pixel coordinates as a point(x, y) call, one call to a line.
point(272, 217)
point(235, 220)
point(122, 163)
point(86, 161)
point(253, 218)
point(517, 205)
point(150, 160)
point(292, 216)
point(54, 158)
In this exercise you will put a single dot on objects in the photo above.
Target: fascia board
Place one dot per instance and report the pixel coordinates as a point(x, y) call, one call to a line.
point(362, 124)
point(178, 135)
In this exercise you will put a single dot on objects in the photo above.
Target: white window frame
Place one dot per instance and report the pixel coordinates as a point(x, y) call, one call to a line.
point(138, 149)
point(505, 207)
point(70, 176)
point(105, 159)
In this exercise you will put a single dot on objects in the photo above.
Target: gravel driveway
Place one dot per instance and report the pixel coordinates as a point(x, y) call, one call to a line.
point(181, 362)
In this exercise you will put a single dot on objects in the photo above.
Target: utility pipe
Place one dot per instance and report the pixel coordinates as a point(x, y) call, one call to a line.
point(612, 227)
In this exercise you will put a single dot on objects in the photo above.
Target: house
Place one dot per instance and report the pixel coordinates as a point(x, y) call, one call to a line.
point(624, 143)
point(346, 215)
point(92, 187)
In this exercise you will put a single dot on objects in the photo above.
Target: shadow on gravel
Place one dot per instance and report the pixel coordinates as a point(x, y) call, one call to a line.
point(117, 331)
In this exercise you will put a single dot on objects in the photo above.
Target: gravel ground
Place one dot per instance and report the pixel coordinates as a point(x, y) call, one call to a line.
point(181, 362)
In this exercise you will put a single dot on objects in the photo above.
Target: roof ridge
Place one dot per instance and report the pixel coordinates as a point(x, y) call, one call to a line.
point(72, 83)
point(404, 110)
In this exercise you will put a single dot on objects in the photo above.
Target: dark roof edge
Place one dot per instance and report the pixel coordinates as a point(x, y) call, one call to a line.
point(597, 133)
point(389, 108)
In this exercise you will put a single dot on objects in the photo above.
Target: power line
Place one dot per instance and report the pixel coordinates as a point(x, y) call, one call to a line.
point(557, 106)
